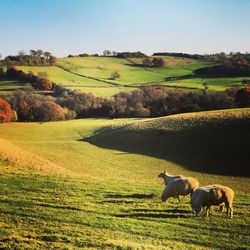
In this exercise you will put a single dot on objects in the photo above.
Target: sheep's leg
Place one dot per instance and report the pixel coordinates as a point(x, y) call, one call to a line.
point(221, 208)
point(178, 197)
point(231, 212)
point(229, 209)
point(165, 195)
point(207, 211)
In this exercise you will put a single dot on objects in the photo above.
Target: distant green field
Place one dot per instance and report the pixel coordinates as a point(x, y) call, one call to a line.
point(216, 84)
point(92, 74)
point(131, 73)
point(62, 77)
point(110, 199)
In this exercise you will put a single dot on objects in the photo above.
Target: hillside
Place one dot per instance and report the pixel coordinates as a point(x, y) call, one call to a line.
point(213, 142)
point(93, 75)
point(111, 197)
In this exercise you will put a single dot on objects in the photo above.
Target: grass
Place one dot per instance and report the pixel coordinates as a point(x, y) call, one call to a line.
point(92, 74)
point(131, 73)
point(110, 198)
point(213, 142)
point(62, 77)
point(215, 84)
point(8, 86)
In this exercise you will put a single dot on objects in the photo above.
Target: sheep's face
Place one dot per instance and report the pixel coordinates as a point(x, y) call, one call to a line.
point(215, 194)
point(161, 175)
point(196, 210)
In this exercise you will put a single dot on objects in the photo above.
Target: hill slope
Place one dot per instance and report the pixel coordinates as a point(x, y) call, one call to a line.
point(214, 142)
point(114, 201)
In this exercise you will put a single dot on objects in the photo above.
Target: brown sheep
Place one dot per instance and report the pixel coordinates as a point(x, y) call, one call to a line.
point(212, 195)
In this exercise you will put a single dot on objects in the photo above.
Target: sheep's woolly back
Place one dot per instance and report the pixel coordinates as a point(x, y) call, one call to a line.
point(223, 193)
point(212, 195)
point(181, 186)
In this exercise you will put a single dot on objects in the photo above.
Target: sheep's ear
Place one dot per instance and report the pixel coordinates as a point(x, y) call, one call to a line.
point(214, 192)
point(164, 172)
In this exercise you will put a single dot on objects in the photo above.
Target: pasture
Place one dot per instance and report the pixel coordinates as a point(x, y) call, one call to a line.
point(80, 188)
point(93, 75)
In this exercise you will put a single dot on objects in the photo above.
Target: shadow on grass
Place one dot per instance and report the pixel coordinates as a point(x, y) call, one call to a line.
point(147, 213)
point(216, 147)
point(22, 203)
point(136, 196)
point(174, 211)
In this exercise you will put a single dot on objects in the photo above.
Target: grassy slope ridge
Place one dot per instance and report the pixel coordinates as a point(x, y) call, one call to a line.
point(214, 142)
point(114, 201)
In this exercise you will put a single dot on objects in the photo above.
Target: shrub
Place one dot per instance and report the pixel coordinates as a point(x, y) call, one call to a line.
point(242, 97)
point(44, 84)
point(115, 75)
point(6, 112)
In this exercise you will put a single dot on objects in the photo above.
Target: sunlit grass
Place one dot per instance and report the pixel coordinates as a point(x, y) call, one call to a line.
point(111, 199)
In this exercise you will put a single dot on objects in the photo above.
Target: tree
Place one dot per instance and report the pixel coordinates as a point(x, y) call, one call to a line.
point(45, 84)
point(242, 97)
point(39, 52)
point(47, 55)
point(32, 52)
point(205, 85)
point(115, 75)
point(6, 112)
point(107, 52)
point(158, 62)
point(52, 60)
point(147, 62)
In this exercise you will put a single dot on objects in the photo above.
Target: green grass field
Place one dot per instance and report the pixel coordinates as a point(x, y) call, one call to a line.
point(92, 74)
point(90, 192)
point(131, 73)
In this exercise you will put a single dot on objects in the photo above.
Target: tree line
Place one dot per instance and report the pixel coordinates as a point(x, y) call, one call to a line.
point(34, 58)
point(148, 101)
point(39, 82)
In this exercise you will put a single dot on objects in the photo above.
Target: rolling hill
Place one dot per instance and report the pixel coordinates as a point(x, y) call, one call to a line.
point(215, 142)
point(111, 197)
point(93, 75)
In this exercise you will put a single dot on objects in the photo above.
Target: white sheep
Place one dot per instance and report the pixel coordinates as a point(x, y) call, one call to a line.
point(205, 197)
point(168, 178)
point(180, 186)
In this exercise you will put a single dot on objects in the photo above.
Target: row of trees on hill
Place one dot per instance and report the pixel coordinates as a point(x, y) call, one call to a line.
point(149, 101)
point(225, 70)
point(222, 58)
point(154, 62)
point(34, 58)
point(40, 81)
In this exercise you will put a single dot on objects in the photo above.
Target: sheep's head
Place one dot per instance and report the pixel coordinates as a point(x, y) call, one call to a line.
point(215, 194)
point(196, 210)
point(161, 175)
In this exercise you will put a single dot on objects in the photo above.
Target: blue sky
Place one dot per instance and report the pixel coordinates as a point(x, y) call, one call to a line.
point(88, 26)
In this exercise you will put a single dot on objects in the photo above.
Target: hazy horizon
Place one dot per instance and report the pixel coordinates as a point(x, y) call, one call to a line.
point(72, 27)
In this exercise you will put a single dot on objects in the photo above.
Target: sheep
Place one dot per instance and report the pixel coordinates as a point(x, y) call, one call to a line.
point(205, 197)
point(168, 178)
point(181, 186)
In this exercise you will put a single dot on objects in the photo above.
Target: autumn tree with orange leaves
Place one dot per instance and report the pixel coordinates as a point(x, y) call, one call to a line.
point(6, 112)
